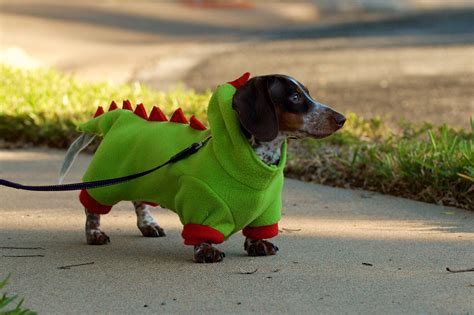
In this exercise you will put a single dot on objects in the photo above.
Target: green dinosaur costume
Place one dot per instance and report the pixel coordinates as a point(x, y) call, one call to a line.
point(218, 191)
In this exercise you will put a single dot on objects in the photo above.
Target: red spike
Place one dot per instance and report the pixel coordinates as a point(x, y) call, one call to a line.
point(196, 124)
point(178, 117)
point(127, 105)
point(157, 115)
point(141, 111)
point(99, 111)
point(240, 81)
point(113, 106)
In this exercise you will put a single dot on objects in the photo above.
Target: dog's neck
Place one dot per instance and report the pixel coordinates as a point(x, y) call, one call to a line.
point(269, 152)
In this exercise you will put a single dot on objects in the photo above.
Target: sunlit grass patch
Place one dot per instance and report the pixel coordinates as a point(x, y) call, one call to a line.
point(429, 163)
point(45, 107)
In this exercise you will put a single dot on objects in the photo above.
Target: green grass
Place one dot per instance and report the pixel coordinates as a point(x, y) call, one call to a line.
point(429, 163)
point(6, 301)
point(44, 107)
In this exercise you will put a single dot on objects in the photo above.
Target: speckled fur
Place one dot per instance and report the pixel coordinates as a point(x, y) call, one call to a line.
point(206, 253)
point(269, 152)
point(145, 221)
point(94, 235)
point(259, 247)
point(313, 123)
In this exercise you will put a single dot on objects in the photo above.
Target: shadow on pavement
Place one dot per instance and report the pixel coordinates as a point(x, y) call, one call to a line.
point(107, 18)
point(439, 22)
point(423, 23)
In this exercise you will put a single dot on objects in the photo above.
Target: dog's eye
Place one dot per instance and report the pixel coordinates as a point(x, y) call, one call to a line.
point(295, 98)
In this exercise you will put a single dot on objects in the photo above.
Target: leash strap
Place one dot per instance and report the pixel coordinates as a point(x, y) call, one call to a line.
point(193, 148)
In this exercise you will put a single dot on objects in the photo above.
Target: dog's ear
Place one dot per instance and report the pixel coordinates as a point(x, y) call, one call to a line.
point(256, 110)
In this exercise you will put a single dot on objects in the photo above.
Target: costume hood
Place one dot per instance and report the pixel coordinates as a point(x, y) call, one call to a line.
point(232, 148)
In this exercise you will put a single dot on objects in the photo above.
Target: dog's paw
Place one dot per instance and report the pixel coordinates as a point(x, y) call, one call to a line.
point(259, 247)
point(97, 237)
point(152, 230)
point(206, 253)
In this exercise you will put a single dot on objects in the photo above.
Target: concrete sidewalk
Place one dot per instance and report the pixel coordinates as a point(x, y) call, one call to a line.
point(328, 238)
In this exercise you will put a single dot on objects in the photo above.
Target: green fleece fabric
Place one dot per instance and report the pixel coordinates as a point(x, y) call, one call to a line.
point(224, 186)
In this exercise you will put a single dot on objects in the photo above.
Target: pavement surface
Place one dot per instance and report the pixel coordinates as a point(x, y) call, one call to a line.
point(414, 64)
point(341, 251)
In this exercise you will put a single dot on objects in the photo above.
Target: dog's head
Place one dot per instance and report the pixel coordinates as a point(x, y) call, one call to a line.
point(273, 104)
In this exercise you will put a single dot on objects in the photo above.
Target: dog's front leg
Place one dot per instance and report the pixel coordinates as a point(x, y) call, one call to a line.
point(206, 253)
point(259, 247)
point(94, 235)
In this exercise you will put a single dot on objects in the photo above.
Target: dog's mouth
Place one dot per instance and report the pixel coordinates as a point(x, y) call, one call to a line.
point(320, 135)
point(315, 134)
point(322, 130)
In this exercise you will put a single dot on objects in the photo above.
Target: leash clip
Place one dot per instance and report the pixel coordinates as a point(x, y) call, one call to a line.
point(193, 148)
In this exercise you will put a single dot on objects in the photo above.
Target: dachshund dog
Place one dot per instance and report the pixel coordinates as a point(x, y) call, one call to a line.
point(270, 109)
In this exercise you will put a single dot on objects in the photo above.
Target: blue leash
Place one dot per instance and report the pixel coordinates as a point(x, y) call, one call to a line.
point(193, 148)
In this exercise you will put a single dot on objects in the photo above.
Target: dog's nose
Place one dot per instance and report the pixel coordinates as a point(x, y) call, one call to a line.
point(340, 120)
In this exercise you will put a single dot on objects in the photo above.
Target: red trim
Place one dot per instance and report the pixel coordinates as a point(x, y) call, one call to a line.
point(157, 115)
point(237, 83)
point(100, 111)
point(113, 106)
point(196, 124)
point(91, 204)
point(178, 117)
point(195, 234)
point(261, 232)
point(127, 105)
point(141, 111)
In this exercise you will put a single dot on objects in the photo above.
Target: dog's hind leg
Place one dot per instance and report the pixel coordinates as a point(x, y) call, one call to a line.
point(94, 235)
point(145, 221)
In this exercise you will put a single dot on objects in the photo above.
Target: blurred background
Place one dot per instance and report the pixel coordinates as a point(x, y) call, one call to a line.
point(410, 59)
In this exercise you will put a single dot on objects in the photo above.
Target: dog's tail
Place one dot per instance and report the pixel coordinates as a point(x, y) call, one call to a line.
point(77, 146)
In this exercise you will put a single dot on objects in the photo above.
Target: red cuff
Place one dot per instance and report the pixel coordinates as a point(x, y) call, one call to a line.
point(261, 232)
point(91, 204)
point(195, 234)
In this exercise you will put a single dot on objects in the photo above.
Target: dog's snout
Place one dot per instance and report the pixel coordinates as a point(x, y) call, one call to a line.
point(340, 120)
